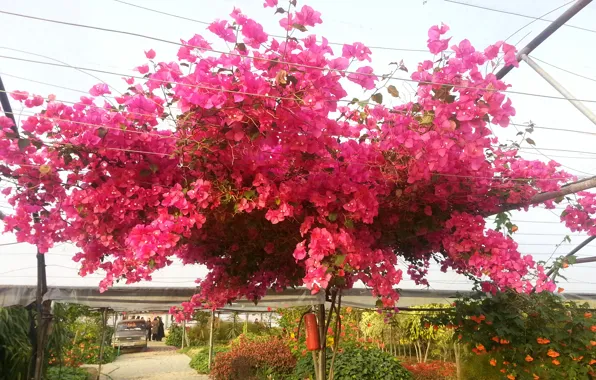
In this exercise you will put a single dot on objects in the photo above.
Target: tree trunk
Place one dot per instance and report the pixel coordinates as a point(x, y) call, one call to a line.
point(456, 353)
point(427, 350)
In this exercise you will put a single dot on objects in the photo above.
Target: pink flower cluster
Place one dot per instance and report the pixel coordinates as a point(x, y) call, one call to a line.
point(269, 178)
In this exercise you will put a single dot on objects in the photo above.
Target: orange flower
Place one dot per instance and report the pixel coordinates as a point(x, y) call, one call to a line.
point(514, 228)
point(536, 377)
point(556, 362)
point(505, 362)
point(496, 339)
point(504, 341)
point(480, 347)
point(587, 315)
point(577, 359)
point(593, 343)
point(560, 290)
point(503, 370)
point(529, 358)
point(493, 362)
point(511, 377)
point(348, 309)
point(552, 353)
point(565, 265)
point(542, 341)
point(593, 361)
point(593, 328)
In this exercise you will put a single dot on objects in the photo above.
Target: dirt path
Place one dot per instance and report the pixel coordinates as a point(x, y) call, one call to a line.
point(158, 362)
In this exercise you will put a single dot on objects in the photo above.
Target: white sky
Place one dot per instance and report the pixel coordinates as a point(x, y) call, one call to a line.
point(387, 23)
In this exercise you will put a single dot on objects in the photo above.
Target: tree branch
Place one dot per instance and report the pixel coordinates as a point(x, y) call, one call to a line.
point(571, 188)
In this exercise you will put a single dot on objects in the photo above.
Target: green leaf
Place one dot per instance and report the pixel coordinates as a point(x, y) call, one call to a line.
point(379, 304)
point(363, 138)
point(378, 98)
point(102, 132)
point(145, 172)
point(249, 194)
point(339, 260)
point(241, 47)
point(349, 223)
point(184, 64)
point(530, 141)
point(300, 27)
point(280, 10)
point(332, 217)
point(153, 168)
point(427, 118)
point(393, 91)
point(23, 143)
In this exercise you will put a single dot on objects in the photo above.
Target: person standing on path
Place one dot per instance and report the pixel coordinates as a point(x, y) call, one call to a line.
point(154, 328)
point(148, 328)
point(160, 330)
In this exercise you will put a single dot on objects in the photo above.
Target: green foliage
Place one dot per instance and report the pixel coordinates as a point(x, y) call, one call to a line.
point(15, 350)
point(174, 337)
point(356, 363)
point(526, 334)
point(66, 373)
point(200, 361)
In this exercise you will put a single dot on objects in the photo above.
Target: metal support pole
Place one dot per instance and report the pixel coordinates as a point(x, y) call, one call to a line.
point(547, 32)
point(574, 251)
point(585, 260)
point(183, 332)
point(579, 105)
point(211, 338)
point(104, 321)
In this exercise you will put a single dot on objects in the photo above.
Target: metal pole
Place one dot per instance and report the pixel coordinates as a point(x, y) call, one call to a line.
point(103, 339)
point(579, 105)
point(574, 251)
point(183, 332)
point(547, 32)
point(585, 260)
point(211, 338)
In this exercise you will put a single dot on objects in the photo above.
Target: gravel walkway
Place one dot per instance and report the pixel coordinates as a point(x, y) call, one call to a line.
point(158, 362)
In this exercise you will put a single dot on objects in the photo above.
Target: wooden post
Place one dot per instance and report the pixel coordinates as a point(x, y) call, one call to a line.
point(211, 339)
point(104, 321)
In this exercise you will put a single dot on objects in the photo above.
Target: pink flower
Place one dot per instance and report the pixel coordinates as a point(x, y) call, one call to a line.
point(356, 50)
point(364, 77)
point(300, 251)
point(150, 54)
point(100, 89)
point(307, 16)
point(143, 69)
point(270, 3)
point(223, 30)
point(254, 34)
point(435, 44)
point(19, 95)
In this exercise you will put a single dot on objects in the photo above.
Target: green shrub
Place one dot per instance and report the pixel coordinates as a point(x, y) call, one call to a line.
point(268, 358)
point(174, 337)
point(15, 349)
point(356, 363)
point(200, 361)
point(66, 373)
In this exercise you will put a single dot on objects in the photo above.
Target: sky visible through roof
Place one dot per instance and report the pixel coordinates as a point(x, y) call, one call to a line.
point(382, 23)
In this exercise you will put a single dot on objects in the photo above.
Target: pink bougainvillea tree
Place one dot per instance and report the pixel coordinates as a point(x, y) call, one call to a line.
point(256, 164)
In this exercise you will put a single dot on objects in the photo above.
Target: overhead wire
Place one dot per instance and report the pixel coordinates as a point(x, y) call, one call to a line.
point(519, 15)
point(277, 61)
point(565, 70)
point(272, 35)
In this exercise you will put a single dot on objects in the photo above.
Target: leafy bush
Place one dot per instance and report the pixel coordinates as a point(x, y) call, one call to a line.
point(356, 363)
point(200, 361)
point(66, 373)
point(15, 350)
point(432, 370)
point(174, 337)
point(262, 358)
